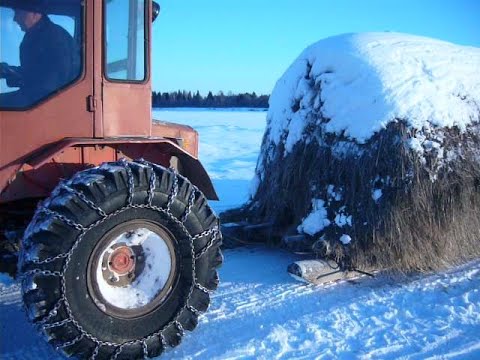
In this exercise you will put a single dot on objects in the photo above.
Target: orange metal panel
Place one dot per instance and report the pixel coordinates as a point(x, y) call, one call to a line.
point(98, 154)
point(187, 136)
point(97, 13)
point(41, 172)
point(127, 107)
point(30, 182)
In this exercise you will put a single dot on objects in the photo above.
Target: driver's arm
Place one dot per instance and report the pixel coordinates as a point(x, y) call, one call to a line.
point(12, 74)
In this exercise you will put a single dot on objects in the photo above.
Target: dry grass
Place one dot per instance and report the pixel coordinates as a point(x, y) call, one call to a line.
point(417, 225)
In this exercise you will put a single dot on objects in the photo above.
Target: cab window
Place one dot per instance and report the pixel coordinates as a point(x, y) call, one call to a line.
point(40, 50)
point(124, 37)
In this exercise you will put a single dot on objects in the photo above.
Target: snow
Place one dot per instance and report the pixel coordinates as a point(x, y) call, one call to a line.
point(5, 279)
point(332, 195)
point(222, 136)
point(260, 312)
point(316, 220)
point(368, 80)
point(342, 220)
point(377, 194)
point(345, 239)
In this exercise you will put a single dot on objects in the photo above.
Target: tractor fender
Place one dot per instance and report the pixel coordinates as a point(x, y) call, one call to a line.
point(81, 153)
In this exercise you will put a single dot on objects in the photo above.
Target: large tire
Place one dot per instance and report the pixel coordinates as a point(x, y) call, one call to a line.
point(72, 232)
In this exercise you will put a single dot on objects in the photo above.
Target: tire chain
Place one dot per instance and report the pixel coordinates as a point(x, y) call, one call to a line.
point(191, 201)
point(82, 197)
point(212, 232)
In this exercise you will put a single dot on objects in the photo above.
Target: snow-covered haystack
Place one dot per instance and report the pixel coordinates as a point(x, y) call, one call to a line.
point(372, 149)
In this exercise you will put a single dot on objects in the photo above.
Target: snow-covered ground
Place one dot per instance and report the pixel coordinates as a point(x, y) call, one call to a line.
point(260, 312)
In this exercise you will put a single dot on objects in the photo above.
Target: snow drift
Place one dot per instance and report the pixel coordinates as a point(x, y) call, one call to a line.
point(372, 150)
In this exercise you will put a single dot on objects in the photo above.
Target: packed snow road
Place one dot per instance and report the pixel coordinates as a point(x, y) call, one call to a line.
point(260, 312)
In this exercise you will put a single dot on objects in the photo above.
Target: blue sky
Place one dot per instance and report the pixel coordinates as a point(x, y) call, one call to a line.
point(246, 45)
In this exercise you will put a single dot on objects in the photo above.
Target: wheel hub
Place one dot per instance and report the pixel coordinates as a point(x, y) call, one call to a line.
point(122, 264)
point(122, 260)
point(132, 269)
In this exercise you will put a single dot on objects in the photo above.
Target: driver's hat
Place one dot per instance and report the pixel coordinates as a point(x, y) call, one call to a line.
point(38, 6)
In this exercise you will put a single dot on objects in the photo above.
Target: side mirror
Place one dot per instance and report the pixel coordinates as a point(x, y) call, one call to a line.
point(155, 10)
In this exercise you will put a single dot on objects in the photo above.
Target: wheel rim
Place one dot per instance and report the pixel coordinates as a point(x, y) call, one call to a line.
point(132, 269)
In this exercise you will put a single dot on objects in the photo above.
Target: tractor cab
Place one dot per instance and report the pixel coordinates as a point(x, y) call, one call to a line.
point(75, 86)
point(41, 52)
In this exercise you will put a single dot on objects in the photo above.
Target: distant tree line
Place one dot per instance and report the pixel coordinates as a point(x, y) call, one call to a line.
point(187, 99)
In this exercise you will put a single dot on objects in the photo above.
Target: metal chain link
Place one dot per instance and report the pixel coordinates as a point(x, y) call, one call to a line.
point(152, 181)
point(57, 324)
point(174, 191)
point(180, 329)
point(50, 259)
point(117, 352)
point(67, 256)
point(62, 218)
point(151, 187)
point(82, 197)
point(130, 183)
point(52, 313)
point(210, 243)
point(145, 349)
point(193, 310)
point(163, 342)
point(201, 287)
point(208, 232)
point(42, 272)
point(188, 209)
point(69, 343)
point(95, 352)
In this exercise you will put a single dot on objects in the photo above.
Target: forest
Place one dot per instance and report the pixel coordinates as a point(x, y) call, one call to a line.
point(183, 98)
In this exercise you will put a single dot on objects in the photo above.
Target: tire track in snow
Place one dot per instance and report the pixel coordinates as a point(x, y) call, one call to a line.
point(269, 317)
point(18, 338)
point(259, 312)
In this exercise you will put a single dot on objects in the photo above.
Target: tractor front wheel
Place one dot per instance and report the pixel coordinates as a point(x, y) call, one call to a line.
point(120, 261)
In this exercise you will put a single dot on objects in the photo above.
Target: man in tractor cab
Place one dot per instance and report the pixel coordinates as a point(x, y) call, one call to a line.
point(47, 54)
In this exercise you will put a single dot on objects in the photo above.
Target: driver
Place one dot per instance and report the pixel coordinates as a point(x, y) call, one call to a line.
point(46, 57)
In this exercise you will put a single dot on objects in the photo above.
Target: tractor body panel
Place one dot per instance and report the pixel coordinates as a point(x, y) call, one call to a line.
point(102, 115)
point(40, 173)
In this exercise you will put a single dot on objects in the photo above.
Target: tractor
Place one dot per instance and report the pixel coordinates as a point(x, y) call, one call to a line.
point(118, 248)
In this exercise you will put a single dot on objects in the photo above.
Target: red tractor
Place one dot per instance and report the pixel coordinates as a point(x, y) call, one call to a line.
point(118, 247)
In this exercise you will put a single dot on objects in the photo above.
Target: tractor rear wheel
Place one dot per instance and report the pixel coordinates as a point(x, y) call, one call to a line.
point(119, 261)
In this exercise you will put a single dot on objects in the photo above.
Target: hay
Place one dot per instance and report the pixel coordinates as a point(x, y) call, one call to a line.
point(372, 150)
point(427, 218)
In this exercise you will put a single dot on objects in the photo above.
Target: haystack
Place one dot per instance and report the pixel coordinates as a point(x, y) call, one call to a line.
point(372, 151)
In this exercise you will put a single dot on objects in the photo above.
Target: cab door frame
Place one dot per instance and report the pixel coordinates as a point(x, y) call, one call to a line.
point(126, 105)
